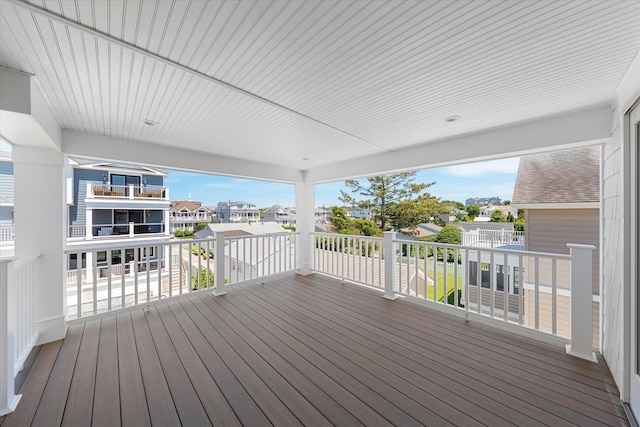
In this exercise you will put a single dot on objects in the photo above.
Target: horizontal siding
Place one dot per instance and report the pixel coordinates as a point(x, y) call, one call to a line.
point(549, 230)
point(77, 212)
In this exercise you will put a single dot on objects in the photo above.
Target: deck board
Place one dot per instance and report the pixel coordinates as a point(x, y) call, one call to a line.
point(306, 351)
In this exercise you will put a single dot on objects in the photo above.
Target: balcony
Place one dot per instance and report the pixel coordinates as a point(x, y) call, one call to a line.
point(294, 350)
point(99, 190)
point(494, 239)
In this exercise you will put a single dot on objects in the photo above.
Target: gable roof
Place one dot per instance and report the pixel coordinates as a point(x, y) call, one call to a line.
point(178, 205)
point(566, 176)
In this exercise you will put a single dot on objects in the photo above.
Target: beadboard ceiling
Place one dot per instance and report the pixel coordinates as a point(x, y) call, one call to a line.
point(305, 84)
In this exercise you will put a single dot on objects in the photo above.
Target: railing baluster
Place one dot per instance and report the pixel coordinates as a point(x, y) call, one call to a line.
point(505, 287)
point(94, 263)
point(537, 293)
point(520, 291)
point(554, 295)
point(479, 283)
point(493, 272)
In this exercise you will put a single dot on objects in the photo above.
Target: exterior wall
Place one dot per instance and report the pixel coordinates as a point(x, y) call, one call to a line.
point(80, 179)
point(6, 181)
point(549, 230)
point(613, 253)
point(6, 215)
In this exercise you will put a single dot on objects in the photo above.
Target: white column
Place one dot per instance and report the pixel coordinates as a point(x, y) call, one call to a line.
point(88, 231)
point(305, 225)
point(39, 184)
point(167, 223)
point(581, 302)
point(8, 399)
point(389, 265)
point(219, 274)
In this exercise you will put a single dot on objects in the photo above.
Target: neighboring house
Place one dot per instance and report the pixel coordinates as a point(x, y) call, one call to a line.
point(187, 214)
point(280, 215)
point(359, 213)
point(7, 234)
point(240, 229)
point(420, 231)
point(481, 201)
point(488, 210)
point(321, 215)
point(237, 212)
point(560, 193)
point(110, 201)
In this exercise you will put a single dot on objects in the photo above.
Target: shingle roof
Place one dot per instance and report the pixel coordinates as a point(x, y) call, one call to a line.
point(176, 205)
point(567, 176)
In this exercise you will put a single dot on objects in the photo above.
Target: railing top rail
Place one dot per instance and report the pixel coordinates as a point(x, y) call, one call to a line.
point(476, 248)
point(253, 236)
point(19, 262)
point(316, 233)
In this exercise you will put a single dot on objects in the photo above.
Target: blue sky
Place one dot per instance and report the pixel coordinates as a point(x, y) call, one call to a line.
point(483, 179)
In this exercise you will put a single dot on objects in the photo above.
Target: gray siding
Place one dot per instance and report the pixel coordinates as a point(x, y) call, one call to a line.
point(6, 181)
point(549, 230)
point(5, 215)
point(81, 177)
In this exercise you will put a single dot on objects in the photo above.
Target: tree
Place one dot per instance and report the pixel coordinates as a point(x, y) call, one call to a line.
point(453, 204)
point(411, 212)
point(510, 217)
point(506, 202)
point(473, 211)
point(498, 216)
point(345, 225)
point(201, 226)
point(450, 234)
point(381, 191)
point(202, 280)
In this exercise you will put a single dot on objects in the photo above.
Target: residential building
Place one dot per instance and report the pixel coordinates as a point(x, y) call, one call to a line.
point(488, 210)
point(481, 201)
point(237, 212)
point(280, 215)
point(187, 214)
point(560, 193)
point(359, 213)
point(155, 83)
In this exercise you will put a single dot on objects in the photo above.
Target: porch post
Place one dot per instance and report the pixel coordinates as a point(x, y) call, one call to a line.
point(167, 222)
point(389, 265)
point(40, 222)
point(581, 302)
point(88, 225)
point(305, 225)
point(219, 275)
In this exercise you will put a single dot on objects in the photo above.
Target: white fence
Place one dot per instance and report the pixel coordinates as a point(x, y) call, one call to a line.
point(494, 239)
point(529, 289)
point(104, 278)
point(17, 335)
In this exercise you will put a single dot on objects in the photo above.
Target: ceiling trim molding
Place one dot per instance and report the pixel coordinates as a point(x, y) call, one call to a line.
point(86, 145)
point(570, 130)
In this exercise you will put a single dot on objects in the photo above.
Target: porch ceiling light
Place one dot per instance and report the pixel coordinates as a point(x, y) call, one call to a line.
point(452, 119)
point(150, 122)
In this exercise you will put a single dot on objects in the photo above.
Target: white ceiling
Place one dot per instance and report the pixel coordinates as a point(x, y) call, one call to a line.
point(306, 84)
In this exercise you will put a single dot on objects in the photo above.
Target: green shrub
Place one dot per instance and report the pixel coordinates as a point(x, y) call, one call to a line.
point(178, 233)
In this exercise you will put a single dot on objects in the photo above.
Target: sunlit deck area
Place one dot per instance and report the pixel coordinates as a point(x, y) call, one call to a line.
point(289, 350)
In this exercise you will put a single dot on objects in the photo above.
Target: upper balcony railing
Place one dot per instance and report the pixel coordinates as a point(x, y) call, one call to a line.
point(190, 217)
point(131, 229)
point(494, 239)
point(7, 233)
point(132, 192)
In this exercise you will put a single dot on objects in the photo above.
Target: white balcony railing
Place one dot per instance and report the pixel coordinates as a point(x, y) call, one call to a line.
point(7, 233)
point(117, 277)
point(494, 239)
point(17, 335)
point(76, 231)
point(537, 291)
point(100, 190)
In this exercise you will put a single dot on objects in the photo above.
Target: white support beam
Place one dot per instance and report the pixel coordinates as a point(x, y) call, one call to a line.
point(305, 225)
point(40, 222)
point(560, 131)
point(25, 118)
point(134, 152)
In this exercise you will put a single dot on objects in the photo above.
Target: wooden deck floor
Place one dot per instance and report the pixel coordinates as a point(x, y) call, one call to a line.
point(306, 350)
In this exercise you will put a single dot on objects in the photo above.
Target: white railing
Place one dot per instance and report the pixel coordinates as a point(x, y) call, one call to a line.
point(127, 230)
point(17, 334)
point(494, 239)
point(249, 257)
point(101, 190)
point(537, 291)
point(355, 258)
point(114, 277)
point(76, 231)
point(7, 233)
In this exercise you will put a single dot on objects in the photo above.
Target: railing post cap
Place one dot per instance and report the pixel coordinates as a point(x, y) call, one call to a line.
point(580, 246)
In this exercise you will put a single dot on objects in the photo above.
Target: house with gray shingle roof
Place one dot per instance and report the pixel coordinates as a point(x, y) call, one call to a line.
point(560, 193)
